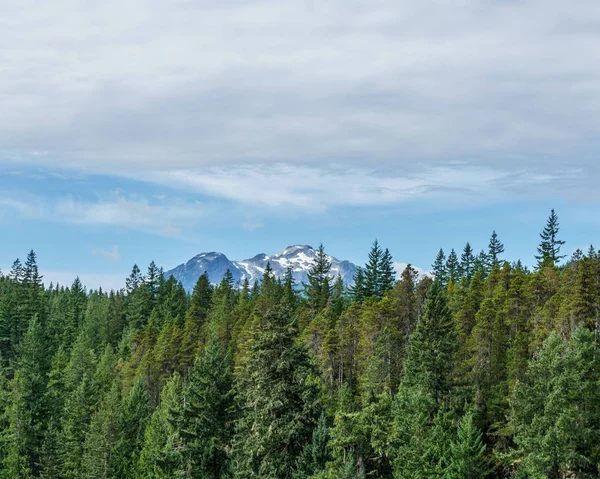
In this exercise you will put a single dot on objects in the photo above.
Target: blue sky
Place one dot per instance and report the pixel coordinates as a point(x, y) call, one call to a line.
point(148, 130)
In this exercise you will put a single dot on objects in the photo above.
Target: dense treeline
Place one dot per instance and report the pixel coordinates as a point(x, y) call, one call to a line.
point(489, 370)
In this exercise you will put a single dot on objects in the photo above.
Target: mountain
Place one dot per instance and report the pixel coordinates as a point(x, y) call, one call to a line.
point(299, 257)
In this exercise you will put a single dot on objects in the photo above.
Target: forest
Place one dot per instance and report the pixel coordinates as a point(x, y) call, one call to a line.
point(484, 369)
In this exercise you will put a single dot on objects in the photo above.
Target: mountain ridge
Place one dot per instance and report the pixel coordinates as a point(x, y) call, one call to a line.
point(299, 257)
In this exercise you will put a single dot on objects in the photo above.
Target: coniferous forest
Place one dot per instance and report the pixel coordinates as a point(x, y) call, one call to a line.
point(486, 369)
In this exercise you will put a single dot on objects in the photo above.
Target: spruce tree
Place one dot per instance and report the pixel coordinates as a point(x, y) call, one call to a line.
point(549, 248)
point(319, 288)
point(134, 413)
point(357, 291)
point(495, 249)
point(555, 410)
point(373, 271)
point(439, 267)
point(207, 420)
point(387, 275)
point(161, 455)
point(453, 267)
point(428, 366)
point(467, 262)
point(28, 407)
point(278, 400)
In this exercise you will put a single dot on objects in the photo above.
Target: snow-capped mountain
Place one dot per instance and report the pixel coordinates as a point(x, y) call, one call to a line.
point(299, 257)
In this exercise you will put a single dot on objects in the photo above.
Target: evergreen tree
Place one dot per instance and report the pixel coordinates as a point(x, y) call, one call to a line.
point(453, 267)
point(161, 454)
point(556, 410)
point(439, 267)
point(27, 409)
point(468, 458)
point(467, 262)
point(386, 275)
point(316, 454)
point(428, 365)
point(101, 439)
point(133, 416)
point(549, 248)
point(278, 401)
point(495, 249)
point(357, 291)
point(206, 421)
point(319, 289)
point(373, 271)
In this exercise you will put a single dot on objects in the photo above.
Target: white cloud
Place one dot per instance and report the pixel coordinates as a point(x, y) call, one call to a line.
point(318, 188)
point(152, 85)
point(112, 255)
point(117, 210)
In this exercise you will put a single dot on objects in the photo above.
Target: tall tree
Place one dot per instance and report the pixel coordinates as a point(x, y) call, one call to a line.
point(387, 275)
point(467, 262)
point(373, 271)
point(207, 415)
point(319, 288)
point(549, 248)
point(495, 249)
point(278, 400)
point(439, 267)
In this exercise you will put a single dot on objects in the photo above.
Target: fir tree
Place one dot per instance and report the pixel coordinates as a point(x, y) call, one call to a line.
point(467, 262)
point(278, 401)
point(134, 413)
point(319, 289)
point(495, 249)
point(439, 267)
point(428, 365)
point(386, 275)
point(453, 267)
point(357, 291)
point(549, 248)
point(207, 421)
point(373, 271)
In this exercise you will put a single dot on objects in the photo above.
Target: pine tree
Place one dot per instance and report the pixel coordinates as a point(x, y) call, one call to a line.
point(428, 365)
point(549, 248)
point(316, 454)
point(278, 400)
point(386, 275)
point(555, 410)
point(133, 416)
point(134, 280)
point(357, 291)
point(467, 262)
point(439, 268)
point(27, 410)
point(453, 267)
point(75, 422)
point(468, 458)
point(495, 249)
point(161, 454)
point(206, 421)
point(101, 439)
point(373, 270)
point(319, 290)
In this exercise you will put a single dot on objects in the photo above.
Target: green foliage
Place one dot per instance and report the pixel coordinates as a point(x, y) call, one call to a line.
point(487, 371)
point(278, 400)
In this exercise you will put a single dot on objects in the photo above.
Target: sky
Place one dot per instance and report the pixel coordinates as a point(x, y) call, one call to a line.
point(140, 130)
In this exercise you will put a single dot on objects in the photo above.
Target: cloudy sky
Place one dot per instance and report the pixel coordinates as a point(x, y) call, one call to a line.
point(137, 130)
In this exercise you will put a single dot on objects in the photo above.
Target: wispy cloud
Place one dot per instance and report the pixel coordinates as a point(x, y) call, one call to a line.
point(112, 255)
point(249, 225)
point(318, 188)
point(116, 209)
